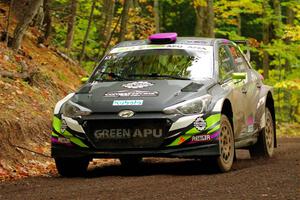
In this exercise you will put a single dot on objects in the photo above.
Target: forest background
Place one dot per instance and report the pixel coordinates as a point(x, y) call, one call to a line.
point(84, 30)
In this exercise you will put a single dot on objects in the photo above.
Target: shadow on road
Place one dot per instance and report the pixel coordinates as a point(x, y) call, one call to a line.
point(150, 167)
point(180, 167)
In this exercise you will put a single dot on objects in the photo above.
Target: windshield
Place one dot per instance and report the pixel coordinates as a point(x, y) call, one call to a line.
point(156, 64)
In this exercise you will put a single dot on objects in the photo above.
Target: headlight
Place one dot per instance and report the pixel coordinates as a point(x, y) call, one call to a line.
point(197, 105)
point(71, 109)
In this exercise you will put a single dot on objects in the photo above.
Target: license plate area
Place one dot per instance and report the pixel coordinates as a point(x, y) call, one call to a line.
point(127, 134)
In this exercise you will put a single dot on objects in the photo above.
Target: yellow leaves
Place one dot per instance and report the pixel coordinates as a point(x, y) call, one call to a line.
point(232, 8)
point(139, 27)
point(296, 9)
point(292, 33)
point(149, 8)
point(289, 84)
point(143, 1)
point(199, 3)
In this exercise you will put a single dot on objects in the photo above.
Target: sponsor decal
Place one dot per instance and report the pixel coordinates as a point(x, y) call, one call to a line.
point(127, 133)
point(126, 113)
point(250, 123)
point(129, 93)
point(128, 102)
point(181, 140)
point(250, 128)
point(63, 140)
point(200, 124)
point(250, 120)
point(64, 126)
point(137, 84)
point(200, 138)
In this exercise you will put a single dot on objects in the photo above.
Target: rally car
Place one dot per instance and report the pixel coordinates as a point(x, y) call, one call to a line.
point(166, 96)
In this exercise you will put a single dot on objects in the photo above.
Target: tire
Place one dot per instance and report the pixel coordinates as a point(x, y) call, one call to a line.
point(130, 162)
point(223, 163)
point(264, 147)
point(71, 167)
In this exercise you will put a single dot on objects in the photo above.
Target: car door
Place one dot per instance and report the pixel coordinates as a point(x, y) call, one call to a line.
point(250, 90)
point(237, 96)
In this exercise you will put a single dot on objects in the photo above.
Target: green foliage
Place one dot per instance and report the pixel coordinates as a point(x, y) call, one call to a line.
point(234, 19)
point(286, 94)
point(283, 53)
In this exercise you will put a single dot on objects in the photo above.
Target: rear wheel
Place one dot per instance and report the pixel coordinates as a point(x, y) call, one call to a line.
point(71, 167)
point(223, 163)
point(265, 141)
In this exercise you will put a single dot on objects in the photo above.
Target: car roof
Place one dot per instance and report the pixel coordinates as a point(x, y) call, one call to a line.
point(180, 40)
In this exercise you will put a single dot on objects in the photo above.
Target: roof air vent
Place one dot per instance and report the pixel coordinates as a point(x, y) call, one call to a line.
point(163, 38)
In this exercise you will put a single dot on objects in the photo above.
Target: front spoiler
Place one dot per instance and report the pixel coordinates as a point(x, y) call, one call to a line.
point(183, 152)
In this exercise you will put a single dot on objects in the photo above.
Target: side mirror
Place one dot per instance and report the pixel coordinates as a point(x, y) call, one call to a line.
point(84, 80)
point(239, 76)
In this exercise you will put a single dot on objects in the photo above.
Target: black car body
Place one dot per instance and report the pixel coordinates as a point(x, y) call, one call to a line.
point(166, 98)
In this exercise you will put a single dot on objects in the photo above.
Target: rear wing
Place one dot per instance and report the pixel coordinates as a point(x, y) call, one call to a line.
point(245, 43)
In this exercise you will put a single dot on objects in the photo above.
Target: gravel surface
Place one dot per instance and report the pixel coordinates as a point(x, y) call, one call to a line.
point(276, 178)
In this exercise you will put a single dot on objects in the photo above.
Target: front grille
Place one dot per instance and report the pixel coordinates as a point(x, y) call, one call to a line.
point(127, 134)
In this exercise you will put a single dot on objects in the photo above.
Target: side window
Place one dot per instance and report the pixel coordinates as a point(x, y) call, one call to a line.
point(238, 59)
point(226, 67)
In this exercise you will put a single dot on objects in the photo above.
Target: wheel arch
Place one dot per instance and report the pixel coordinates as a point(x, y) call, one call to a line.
point(271, 107)
point(227, 110)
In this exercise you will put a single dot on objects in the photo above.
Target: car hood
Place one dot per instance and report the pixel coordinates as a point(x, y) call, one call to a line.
point(146, 96)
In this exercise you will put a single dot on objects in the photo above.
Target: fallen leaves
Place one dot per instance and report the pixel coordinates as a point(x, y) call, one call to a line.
point(26, 108)
point(32, 168)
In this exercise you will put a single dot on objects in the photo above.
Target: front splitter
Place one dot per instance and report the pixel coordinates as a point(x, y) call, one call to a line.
point(182, 152)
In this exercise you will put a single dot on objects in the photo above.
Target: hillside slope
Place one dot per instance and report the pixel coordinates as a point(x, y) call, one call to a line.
point(26, 105)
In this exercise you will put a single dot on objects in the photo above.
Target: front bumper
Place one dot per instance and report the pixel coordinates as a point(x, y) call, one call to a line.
point(59, 150)
point(180, 137)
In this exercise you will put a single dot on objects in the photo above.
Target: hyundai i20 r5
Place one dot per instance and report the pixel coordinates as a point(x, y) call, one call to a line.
point(166, 97)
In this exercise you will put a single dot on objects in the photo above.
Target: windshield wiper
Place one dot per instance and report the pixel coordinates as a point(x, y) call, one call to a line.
point(158, 75)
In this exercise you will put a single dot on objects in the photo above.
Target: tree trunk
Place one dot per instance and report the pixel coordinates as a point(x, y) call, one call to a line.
point(199, 20)
point(24, 74)
point(106, 24)
point(290, 16)
point(108, 15)
point(163, 18)
point(290, 21)
point(23, 24)
point(266, 38)
point(135, 3)
point(239, 24)
point(278, 18)
point(156, 16)
point(210, 19)
point(38, 20)
point(104, 18)
point(109, 39)
point(71, 25)
point(87, 31)
point(8, 21)
point(124, 20)
point(47, 19)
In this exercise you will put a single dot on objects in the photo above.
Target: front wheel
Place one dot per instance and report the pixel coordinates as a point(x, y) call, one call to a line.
point(71, 167)
point(265, 141)
point(224, 162)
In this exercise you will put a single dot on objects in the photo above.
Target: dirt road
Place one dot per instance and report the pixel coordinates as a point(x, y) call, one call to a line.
point(277, 178)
